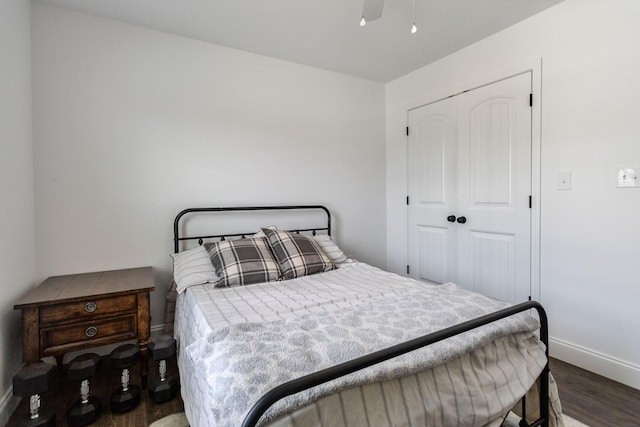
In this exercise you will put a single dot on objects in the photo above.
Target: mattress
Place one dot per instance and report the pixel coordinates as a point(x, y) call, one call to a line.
point(475, 388)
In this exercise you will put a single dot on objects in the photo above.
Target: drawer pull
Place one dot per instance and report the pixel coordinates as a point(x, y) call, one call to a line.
point(91, 331)
point(90, 307)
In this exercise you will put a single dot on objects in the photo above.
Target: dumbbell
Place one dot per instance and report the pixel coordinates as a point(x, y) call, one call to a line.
point(87, 408)
point(32, 380)
point(164, 387)
point(127, 396)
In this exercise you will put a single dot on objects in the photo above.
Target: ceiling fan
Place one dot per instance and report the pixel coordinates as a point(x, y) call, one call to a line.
point(372, 10)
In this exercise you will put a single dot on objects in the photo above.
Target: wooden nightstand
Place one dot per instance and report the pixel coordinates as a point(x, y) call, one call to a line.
point(80, 311)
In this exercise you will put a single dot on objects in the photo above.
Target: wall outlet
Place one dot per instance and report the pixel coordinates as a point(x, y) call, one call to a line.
point(628, 177)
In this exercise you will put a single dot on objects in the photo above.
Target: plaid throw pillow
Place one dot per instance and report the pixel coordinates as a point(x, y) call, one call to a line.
point(243, 262)
point(297, 255)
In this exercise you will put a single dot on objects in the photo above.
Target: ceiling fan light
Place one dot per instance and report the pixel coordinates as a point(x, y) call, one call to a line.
point(363, 21)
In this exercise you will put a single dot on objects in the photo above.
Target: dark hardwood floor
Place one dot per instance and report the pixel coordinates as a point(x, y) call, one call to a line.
point(595, 400)
point(585, 396)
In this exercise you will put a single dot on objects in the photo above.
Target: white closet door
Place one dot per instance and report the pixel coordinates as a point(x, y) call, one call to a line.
point(475, 165)
point(432, 191)
point(494, 173)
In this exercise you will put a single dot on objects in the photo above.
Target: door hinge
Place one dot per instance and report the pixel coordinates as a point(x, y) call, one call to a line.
point(530, 202)
point(407, 268)
point(529, 297)
point(407, 130)
point(530, 100)
point(407, 200)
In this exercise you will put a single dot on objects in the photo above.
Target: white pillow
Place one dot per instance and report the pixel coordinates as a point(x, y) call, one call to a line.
point(330, 248)
point(192, 267)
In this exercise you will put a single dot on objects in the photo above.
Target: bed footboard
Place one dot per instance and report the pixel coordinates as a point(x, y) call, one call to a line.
point(328, 374)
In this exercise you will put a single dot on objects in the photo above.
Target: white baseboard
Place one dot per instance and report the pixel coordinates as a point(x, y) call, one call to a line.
point(157, 330)
point(602, 364)
point(8, 405)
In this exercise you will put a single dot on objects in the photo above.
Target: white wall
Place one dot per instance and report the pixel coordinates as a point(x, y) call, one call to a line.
point(590, 275)
point(132, 125)
point(17, 253)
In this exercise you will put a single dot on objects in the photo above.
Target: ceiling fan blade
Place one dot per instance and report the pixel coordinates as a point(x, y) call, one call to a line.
point(372, 9)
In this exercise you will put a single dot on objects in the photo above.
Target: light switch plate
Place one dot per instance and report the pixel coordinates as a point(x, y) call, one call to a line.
point(628, 177)
point(564, 180)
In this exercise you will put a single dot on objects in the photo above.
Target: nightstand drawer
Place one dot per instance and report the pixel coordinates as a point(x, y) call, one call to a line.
point(79, 310)
point(81, 335)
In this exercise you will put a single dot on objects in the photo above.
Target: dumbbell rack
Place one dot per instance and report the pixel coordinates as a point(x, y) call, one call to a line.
point(63, 395)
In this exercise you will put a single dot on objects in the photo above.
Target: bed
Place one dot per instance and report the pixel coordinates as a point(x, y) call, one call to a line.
point(340, 342)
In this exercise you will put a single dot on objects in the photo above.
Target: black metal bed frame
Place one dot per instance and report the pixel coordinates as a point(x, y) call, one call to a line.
point(176, 228)
point(333, 372)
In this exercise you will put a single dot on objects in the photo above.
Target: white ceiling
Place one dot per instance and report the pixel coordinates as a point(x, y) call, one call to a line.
point(325, 33)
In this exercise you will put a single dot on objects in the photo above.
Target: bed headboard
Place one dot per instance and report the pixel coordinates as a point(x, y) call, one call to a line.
point(177, 238)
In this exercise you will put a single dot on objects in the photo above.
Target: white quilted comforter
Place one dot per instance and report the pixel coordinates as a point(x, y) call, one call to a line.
point(235, 344)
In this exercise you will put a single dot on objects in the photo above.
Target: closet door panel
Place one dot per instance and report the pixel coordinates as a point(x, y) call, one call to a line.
point(431, 164)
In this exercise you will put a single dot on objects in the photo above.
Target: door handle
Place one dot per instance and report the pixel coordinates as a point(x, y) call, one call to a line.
point(451, 218)
point(461, 220)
